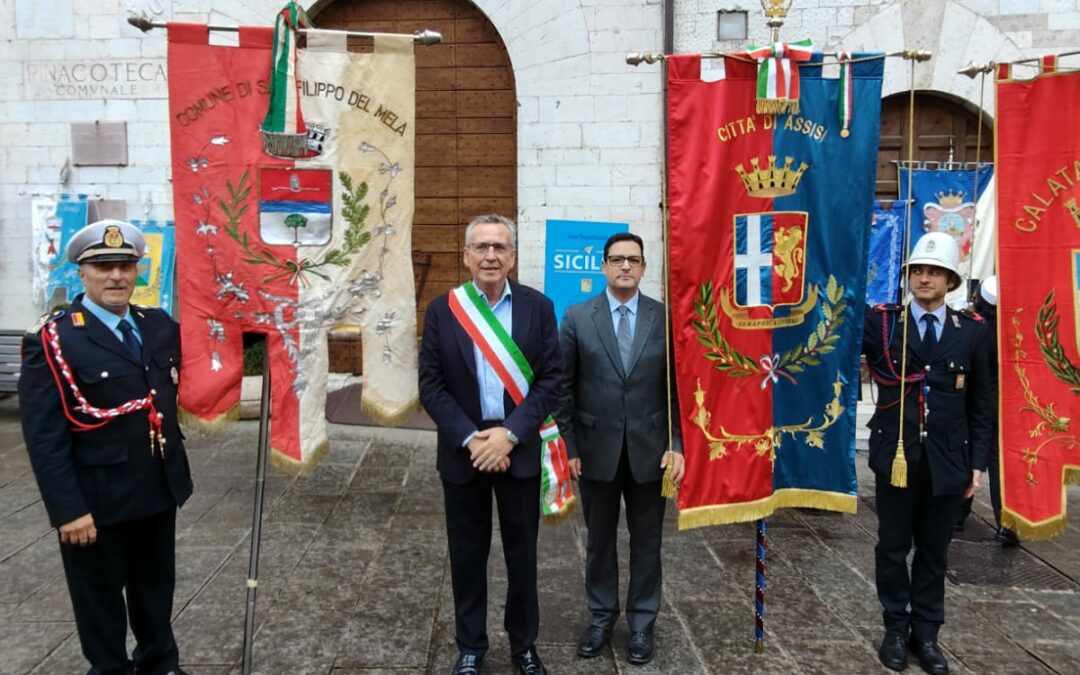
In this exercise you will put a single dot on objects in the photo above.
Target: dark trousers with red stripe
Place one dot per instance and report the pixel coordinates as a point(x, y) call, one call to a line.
point(135, 560)
point(468, 530)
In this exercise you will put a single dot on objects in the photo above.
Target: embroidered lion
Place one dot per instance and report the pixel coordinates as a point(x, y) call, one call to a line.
point(789, 252)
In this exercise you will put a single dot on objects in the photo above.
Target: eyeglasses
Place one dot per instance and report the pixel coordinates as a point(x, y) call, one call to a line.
point(618, 260)
point(482, 248)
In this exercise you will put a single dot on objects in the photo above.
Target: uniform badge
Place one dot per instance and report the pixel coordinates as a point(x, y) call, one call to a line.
point(175, 374)
point(113, 238)
point(960, 381)
point(77, 319)
point(955, 321)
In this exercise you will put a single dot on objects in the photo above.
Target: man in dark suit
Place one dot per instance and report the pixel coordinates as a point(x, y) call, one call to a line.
point(947, 409)
point(97, 396)
point(614, 417)
point(488, 444)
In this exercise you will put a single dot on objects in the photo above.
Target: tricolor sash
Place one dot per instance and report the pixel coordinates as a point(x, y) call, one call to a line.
point(778, 75)
point(473, 313)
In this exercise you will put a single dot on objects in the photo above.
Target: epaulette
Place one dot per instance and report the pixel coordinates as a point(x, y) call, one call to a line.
point(44, 319)
point(971, 314)
point(886, 307)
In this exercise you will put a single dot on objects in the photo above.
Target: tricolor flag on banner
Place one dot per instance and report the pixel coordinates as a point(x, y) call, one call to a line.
point(769, 223)
point(293, 248)
point(1038, 182)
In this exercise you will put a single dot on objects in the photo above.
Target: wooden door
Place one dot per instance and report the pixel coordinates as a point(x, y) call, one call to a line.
point(943, 127)
point(466, 126)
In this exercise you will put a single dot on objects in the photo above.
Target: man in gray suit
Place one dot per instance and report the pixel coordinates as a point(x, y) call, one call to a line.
point(614, 418)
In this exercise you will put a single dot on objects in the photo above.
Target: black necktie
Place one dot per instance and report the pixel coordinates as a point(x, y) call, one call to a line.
point(130, 341)
point(929, 338)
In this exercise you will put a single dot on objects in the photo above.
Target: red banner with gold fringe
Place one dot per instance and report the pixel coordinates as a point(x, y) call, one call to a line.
point(1038, 165)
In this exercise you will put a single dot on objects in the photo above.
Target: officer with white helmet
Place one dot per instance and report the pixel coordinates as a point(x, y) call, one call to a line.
point(97, 398)
point(932, 363)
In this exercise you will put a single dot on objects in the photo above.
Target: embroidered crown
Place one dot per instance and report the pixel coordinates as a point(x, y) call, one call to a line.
point(771, 181)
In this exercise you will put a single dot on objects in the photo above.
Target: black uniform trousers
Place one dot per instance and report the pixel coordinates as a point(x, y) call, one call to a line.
point(136, 559)
point(645, 521)
point(907, 515)
point(468, 530)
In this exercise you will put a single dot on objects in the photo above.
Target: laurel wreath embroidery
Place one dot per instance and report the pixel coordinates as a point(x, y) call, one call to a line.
point(727, 359)
point(1055, 427)
point(354, 211)
point(1046, 331)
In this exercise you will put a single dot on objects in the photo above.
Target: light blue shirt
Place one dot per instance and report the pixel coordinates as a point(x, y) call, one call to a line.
point(112, 321)
point(491, 387)
point(631, 304)
point(917, 313)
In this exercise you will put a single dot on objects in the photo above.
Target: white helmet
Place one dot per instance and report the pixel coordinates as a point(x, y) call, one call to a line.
point(940, 250)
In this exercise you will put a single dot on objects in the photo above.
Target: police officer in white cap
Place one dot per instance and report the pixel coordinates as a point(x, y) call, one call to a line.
point(97, 397)
point(932, 362)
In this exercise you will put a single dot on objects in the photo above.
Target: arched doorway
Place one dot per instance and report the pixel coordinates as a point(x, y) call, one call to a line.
point(944, 129)
point(466, 125)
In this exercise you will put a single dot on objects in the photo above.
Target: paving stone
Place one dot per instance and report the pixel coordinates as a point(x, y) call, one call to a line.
point(354, 578)
point(23, 643)
point(25, 572)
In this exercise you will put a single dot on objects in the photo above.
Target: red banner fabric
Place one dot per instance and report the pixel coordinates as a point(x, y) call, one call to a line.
point(217, 96)
point(1038, 169)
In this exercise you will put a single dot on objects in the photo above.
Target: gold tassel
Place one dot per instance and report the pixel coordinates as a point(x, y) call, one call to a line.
point(668, 488)
point(899, 469)
point(777, 106)
point(567, 510)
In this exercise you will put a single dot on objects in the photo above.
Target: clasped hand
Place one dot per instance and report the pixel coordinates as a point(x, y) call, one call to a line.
point(489, 450)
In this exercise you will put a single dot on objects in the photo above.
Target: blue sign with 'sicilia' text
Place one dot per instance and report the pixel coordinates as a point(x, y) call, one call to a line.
point(573, 260)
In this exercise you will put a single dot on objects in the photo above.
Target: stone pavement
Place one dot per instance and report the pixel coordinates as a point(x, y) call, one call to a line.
point(355, 579)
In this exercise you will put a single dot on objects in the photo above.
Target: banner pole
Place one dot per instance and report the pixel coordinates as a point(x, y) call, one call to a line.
point(759, 589)
point(424, 37)
point(256, 518)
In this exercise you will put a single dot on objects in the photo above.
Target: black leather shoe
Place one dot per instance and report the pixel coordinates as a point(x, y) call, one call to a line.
point(893, 652)
point(930, 657)
point(640, 649)
point(467, 664)
point(1006, 537)
point(593, 641)
point(529, 663)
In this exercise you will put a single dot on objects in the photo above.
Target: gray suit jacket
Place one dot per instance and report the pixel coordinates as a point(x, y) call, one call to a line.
point(600, 403)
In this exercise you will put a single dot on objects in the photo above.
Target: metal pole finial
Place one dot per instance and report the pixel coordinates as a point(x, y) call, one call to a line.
point(141, 21)
point(775, 13)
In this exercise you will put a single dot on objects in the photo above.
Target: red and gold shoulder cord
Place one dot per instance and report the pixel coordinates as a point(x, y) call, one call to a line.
point(54, 356)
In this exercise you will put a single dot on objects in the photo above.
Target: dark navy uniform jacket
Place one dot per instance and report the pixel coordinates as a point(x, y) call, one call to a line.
point(108, 472)
point(959, 399)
